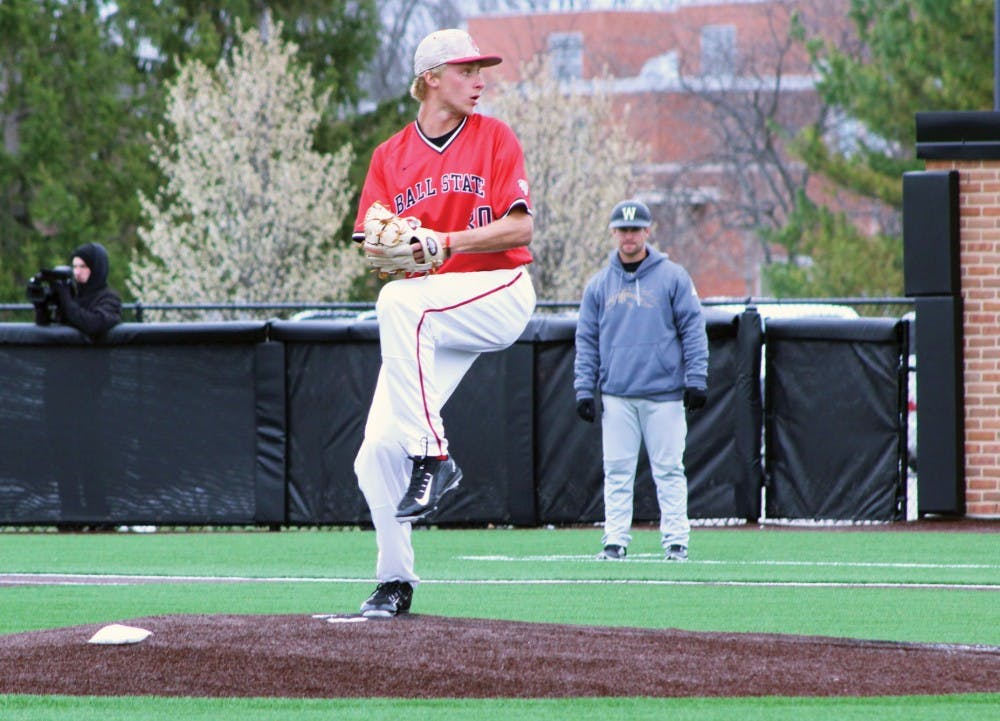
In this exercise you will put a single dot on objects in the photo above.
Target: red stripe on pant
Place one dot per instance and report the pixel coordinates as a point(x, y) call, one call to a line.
point(420, 370)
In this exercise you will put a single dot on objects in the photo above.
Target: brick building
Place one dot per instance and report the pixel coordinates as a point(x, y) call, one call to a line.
point(713, 89)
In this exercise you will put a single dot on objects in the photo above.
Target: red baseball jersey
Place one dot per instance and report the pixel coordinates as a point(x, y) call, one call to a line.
point(475, 178)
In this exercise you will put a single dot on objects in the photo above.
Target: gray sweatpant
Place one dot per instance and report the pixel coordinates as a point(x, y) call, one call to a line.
point(662, 426)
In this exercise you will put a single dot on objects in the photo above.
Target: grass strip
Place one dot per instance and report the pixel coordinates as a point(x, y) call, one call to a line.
point(973, 707)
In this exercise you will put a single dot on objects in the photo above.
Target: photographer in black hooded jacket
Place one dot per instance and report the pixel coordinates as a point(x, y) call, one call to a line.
point(76, 382)
point(87, 303)
point(85, 463)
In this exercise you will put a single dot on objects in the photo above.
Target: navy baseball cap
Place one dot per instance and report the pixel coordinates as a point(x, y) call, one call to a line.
point(630, 214)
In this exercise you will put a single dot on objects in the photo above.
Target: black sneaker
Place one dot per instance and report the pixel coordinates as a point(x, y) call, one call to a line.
point(431, 479)
point(676, 552)
point(612, 552)
point(389, 599)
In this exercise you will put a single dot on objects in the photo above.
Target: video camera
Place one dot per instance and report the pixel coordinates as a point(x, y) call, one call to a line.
point(41, 287)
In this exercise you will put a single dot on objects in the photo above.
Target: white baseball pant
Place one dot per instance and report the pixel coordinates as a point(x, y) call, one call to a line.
point(431, 330)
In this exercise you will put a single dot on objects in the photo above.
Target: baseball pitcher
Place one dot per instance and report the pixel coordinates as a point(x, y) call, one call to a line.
point(445, 211)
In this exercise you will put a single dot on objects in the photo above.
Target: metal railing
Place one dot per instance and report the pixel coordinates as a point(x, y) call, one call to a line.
point(882, 307)
point(137, 311)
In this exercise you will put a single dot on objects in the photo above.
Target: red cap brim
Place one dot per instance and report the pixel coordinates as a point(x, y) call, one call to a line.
point(484, 60)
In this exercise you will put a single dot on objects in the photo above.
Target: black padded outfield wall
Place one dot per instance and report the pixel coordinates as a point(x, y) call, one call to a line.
point(567, 450)
point(941, 412)
point(835, 425)
point(332, 368)
point(722, 456)
point(151, 424)
point(526, 457)
point(240, 423)
point(932, 265)
point(747, 409)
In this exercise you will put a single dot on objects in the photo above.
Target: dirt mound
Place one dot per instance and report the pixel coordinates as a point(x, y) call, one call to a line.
point(419, 656)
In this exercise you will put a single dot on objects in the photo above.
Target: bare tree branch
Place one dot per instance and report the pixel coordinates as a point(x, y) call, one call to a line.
point(580, 162)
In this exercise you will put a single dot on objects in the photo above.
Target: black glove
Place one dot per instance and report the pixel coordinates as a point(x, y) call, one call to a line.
point(694, 398)
point(585, 409)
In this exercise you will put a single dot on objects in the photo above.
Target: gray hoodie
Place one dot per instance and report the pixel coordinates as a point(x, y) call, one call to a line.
point(642, 334)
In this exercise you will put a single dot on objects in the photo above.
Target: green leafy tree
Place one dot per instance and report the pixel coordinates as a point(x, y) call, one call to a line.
point(250, 209)
point(906, 56)
point(82, 86)
point(74, 148)
point(829, 257)
point(336, 38)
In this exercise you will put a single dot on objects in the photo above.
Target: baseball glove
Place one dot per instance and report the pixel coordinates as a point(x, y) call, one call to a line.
point(395, 245)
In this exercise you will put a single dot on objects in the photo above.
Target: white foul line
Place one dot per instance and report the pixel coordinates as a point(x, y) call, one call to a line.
point(81, 579)
point(658, 560)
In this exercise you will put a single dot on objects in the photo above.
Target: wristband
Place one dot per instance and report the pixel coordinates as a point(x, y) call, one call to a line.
point(447, 246)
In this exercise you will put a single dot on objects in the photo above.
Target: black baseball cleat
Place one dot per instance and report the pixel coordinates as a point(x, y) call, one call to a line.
point(676, 552)
point(613, 552)
point(430, 480)
point(389, 599)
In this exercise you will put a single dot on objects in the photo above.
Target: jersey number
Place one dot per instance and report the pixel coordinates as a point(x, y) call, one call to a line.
point(482, 215)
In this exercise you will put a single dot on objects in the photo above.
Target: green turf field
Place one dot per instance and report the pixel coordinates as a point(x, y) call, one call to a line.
point(872, 584)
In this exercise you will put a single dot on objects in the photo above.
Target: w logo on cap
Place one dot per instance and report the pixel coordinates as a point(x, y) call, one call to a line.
point(631, 214)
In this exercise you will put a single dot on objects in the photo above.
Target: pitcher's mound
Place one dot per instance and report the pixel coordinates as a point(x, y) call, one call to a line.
point(419, 656)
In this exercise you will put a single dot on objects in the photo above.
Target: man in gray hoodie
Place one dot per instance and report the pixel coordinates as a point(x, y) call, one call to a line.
point(641, 340)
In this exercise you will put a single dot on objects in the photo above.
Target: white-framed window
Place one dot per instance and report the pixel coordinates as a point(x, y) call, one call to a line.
point(566, 55)
point(718, 50)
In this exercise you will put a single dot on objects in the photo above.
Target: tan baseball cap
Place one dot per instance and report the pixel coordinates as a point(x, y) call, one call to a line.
point(449, 47)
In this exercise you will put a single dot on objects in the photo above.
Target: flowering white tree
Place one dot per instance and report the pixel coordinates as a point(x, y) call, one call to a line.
point(249, 209)
point(580, 162)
